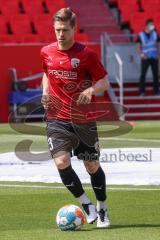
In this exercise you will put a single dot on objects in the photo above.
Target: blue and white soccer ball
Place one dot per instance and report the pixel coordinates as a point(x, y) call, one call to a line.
point(70, 217)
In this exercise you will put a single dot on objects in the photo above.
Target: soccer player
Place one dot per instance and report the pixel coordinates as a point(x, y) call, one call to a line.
point(73, 75)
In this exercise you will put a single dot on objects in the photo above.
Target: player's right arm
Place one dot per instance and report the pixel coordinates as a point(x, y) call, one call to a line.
point(45, 94)
point(45, 84)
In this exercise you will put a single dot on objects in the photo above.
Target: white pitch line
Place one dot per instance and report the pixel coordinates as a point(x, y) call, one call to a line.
point(62, 187)
point(131, 139)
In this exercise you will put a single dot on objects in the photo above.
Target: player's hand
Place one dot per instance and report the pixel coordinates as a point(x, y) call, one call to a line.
point(143, 56)
point(46, 101)
point(85, 96)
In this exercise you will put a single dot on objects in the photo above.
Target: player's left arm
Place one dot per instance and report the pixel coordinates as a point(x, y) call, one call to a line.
point(99, 87)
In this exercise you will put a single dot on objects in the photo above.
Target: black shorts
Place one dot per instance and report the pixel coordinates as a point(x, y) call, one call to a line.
point(79, 139)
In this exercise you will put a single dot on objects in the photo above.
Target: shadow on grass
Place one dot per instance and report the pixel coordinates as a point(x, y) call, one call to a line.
point(113, 227)
point(125, 226)
point(90, 228)
point(135, 226)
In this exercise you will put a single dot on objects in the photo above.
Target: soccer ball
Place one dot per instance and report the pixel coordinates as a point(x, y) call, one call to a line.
point(70, 217)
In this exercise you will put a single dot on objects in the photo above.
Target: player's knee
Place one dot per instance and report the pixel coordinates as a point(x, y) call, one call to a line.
point(62, 165)
point(62, 161)
point(92, 166)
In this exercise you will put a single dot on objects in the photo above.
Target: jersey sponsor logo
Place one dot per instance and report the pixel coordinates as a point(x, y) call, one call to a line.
point(63, 74)
point(75, 62)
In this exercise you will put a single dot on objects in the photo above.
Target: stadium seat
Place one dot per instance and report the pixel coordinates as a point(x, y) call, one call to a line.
point(81, 37)
point(44, 29)
point(128, 6)
point(136, 16)
point(6, 38)
point(54, 6)
point(33, 7)
point(3, 25)
point(17, 18)
point(137, 26)
point(155, 9)
point(31, 38)
point(47, 38)
point(137, 21)
point(126, 14)
point(149, 3)
point(126, 2)
point(43, 19)
point(60, 3)
point(43, 24)
point(11, 38)
point(21, 26)
point(8, 8)
point(127, 9)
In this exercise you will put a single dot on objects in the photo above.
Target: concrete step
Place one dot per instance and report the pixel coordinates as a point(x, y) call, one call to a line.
point(143, 105)
point(142, 97)
point(143, 114)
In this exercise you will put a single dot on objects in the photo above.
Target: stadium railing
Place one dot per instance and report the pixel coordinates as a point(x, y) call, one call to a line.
point(118, 72)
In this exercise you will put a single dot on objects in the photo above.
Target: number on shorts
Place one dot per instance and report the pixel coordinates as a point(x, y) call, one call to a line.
point(50, 144)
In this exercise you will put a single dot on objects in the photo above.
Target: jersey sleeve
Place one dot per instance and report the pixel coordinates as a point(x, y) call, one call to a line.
point(43, 58)
point(95, 67)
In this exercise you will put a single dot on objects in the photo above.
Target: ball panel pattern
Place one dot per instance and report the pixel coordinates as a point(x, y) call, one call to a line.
point(70, 217)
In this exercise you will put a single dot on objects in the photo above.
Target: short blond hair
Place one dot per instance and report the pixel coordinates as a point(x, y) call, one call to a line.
point(64, 15)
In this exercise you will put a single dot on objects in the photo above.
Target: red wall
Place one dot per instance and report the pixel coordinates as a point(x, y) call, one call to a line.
point(26, 59)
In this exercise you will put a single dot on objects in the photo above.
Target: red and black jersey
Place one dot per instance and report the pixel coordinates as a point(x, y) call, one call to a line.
point(70, 72)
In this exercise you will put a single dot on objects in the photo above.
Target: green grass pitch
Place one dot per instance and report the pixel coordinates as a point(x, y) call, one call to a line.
point(29, 213)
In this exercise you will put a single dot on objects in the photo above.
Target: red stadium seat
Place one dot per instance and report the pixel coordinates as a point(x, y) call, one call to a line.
point(47, 38)
point(149, 3)
point(137, 27)
point(54, 6)
point(8, 8)
point(3, 25)
point(81, 37)
point(6, 38)
point(45, 30)
point(126, 15)
point(137, 21)
point(33, 7)
point(43, 24)
point(20, 25)
point(156, 19)
point(10, 38)
point(155, 9)
point(126, 2)
point(136, 16)
point(59, 3)
point(43, 19)
point(127, 8)
point(31, 38)
point(125, 5)
point(18, 18)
